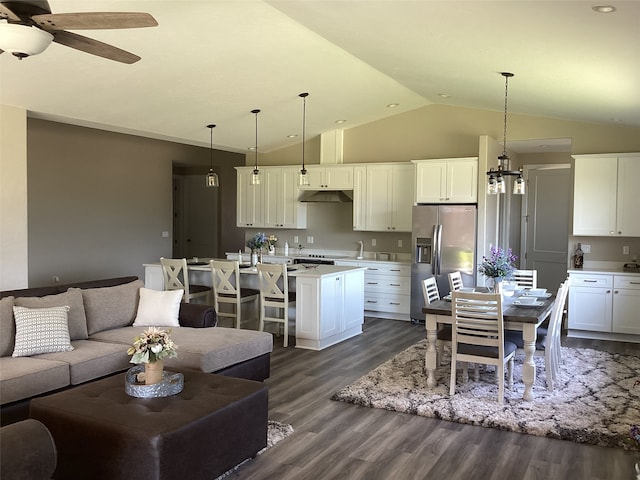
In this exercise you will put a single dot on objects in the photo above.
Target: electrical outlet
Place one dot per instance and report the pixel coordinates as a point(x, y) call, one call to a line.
point(55, 279)
point(310, 240)
point(400, 243)
point(296, 239)
point(625, 250)
point(165, 234)
point(373, 242)
point(586, 248)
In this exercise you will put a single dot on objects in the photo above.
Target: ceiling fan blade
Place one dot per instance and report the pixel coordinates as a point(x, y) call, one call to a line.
point(94, 47)
point(7, 14)
point(94, 20)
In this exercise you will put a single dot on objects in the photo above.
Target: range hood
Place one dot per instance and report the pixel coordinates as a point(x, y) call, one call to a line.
point(328, 196)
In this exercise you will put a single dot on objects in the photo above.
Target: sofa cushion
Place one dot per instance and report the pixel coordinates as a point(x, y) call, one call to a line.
point(76, 316)
point(41, 330)
point(111, 307)
point(204, 349)
point(25, 377)
point(90, 360)
point(7, 327)
point(158, 308)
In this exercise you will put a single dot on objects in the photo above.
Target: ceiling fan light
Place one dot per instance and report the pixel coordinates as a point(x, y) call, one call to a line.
point(23, 41)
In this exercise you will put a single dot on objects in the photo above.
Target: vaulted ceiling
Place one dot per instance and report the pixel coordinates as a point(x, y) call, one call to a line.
point(213, 61)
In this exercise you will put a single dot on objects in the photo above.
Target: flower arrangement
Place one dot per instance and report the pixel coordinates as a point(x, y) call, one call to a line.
point(272, 239)
point(152, 345)
point(500, 265)
point(258, 241)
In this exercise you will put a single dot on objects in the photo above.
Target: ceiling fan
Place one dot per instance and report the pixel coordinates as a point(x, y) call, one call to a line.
point(27, 27)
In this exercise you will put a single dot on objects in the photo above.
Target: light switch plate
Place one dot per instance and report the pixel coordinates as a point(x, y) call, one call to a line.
point(625, 250)
point(373, 242)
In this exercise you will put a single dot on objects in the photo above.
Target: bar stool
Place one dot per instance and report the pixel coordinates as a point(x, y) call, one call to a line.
point(271, 295)
point(176, 277)
point(225, 278)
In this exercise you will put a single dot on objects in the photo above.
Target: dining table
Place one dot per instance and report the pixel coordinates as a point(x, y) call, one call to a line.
point(525, 318)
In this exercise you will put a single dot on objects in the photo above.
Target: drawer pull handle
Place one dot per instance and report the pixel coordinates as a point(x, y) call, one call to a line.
point(372, 283)
point(394, 284)
point(634, 283)
point(371, 268)
point(394, 303)
point(395, 270)
point(372, 301)
point(590, 281)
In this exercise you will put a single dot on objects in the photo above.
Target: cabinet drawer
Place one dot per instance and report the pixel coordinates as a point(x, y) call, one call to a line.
point(586, 280)
point(387, 269)
point(387, 303)
point(627, 281)
point(387, 284)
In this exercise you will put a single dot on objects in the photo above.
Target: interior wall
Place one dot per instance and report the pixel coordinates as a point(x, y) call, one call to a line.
point(99, 202)
point(13, 198)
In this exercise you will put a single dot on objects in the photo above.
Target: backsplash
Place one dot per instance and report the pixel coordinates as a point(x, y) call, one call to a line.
point(607, 249)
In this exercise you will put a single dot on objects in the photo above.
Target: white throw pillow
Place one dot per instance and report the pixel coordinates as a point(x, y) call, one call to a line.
point(158, 308)
point(41, 330)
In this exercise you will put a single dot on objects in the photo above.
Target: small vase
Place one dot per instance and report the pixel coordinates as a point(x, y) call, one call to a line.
point(260, 256)
point(494, 284)
point(254, 258)
point(153, 372)
point(272, 250)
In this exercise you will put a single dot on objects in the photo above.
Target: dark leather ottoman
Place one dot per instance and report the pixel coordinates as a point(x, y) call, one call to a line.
point(102, 433)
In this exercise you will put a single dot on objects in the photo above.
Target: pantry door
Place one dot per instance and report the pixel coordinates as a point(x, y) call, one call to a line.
point(545, 229)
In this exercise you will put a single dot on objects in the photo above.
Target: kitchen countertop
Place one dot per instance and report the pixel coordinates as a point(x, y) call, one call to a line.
point(603, 271)
point(336, 256)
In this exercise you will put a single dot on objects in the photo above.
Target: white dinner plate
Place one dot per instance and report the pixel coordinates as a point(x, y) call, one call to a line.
point(544, 295)
point(517, 303)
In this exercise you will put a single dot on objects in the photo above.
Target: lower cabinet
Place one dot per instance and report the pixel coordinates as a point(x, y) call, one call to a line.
point(604, 303)
point(329, 308)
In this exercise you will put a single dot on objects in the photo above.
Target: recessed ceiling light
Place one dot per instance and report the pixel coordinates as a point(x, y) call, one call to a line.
point(392, 105)
point(340, 121)
point(604, 8)
point(251, 148)
point(293, 135)
point(444, 95)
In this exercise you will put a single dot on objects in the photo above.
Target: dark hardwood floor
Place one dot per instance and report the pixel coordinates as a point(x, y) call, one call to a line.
point(334, 440)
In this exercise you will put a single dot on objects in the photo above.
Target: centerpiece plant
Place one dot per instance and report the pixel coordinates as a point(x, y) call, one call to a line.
point(151, 348)
point(499, 266)
point(258, 241)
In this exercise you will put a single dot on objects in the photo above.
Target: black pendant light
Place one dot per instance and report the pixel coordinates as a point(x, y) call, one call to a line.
point(212, 177)
point(495, 182)
point(255, 177)
point(303, 179)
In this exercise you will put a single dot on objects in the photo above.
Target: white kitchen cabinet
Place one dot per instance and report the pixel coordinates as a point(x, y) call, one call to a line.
point(359, 197)
point(249, 211)
point(604, 305)
point(273, 203)
point(606, 195)
point(329, 308)
point(387, 288)
point(626, 304)
point(334, 177)
point(281, 207)
point(450, 180)
point(389, 197)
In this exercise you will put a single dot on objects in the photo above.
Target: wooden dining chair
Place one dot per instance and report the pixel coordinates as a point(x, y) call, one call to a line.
point(548, 341)
point(225, 278)
point(274, 297)
point(176, 276)
point(526, 278)
point(431, 294)
point(455, 281)
point(478, 336)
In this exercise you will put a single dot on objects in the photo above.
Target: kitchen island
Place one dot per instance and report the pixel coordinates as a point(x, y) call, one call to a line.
point(329, 299)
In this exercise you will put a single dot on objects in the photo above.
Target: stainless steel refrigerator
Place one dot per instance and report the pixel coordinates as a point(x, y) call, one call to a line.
point(444, 240)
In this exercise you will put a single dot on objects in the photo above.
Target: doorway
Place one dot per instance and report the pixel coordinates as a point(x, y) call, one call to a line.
point(195, 217)
point(546, 213)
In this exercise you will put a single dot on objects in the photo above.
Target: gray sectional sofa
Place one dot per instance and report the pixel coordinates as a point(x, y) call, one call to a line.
point(100, 321)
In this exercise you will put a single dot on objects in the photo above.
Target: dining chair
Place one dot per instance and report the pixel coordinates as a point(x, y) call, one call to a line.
point(548, 342)
point(275, 297)
point(478, 336)
point(431, 294)
point(526, 278)
point(225, 278)
point(176, 276)
point(455, 281)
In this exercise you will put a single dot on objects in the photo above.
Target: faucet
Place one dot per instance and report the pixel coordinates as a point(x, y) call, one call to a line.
point(360, 257)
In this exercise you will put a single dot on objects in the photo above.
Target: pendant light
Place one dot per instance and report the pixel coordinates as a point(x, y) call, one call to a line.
point(303, 179)
point(212, 177)
point(255, 177)
point(496, 182)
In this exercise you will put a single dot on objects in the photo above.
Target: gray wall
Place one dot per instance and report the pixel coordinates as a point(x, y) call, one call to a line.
point(98, 201)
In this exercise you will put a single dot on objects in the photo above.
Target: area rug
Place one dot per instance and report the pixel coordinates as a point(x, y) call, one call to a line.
point(276, 432)
point(596, 401)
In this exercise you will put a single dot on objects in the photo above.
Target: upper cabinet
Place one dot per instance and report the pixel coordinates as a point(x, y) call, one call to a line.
point(388, 198)
point(449, 180)
point(273, 203)
point(334, 177)
point(606, 195)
